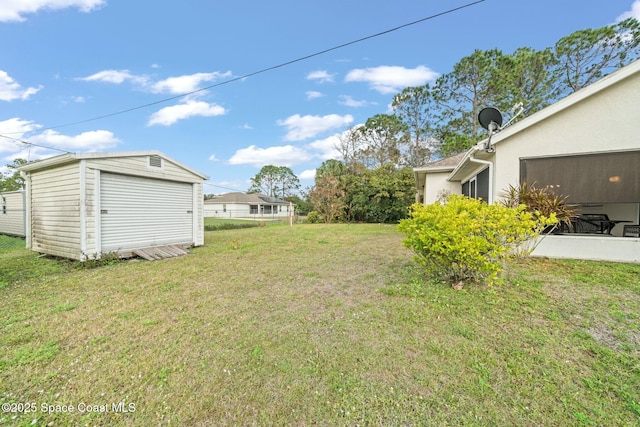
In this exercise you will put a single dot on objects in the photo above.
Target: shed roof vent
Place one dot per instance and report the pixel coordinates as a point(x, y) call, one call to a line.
point(155, 161)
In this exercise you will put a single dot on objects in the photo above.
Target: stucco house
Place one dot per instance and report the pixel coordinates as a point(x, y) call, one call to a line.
point(243, 205)
point(585, 146)
point(12, 213)
point(81, 205)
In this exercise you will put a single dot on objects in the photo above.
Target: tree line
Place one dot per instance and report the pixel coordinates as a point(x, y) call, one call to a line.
point(373, 179)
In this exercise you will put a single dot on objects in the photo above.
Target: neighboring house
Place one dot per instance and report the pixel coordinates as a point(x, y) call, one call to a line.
point(81, 205)
point(586, 146)
point(243, 205)
point(12, 213)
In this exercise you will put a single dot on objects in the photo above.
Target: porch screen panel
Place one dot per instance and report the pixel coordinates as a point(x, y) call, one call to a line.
point(588, 178)
point(483, 185)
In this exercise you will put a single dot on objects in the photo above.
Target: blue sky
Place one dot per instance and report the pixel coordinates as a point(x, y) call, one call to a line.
point(65, 63)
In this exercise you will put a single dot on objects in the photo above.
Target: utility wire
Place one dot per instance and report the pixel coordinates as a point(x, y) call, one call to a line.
point(226, 188)
point(31, 144)
point(264, 70)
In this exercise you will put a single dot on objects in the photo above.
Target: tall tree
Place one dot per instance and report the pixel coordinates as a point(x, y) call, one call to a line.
point(587, 55)
point(11, 179)
point(381, 136)
point(327, 197)
point(275, 181)
point(349, 146)
point(525, 77)
point(331, 167)
point(379, 195)
point(468, 88)
point(416, 107)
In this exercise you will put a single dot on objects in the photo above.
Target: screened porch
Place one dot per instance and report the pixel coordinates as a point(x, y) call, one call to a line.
point(605, 188)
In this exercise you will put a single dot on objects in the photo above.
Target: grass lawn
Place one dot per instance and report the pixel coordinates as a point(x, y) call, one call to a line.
point(315, 325)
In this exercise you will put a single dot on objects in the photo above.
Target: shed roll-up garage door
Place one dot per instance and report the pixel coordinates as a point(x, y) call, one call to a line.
point(138, 212)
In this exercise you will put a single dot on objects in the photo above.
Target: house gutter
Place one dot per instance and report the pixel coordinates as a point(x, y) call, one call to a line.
point(490, 164)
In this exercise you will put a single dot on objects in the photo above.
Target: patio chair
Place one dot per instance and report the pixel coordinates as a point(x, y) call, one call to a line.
point(594, 223)
point(631, 230)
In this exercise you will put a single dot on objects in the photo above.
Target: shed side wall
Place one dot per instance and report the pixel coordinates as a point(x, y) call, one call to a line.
point(55, 211)
point(12, 213)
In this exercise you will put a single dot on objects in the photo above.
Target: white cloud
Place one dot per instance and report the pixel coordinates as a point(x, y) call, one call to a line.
point(87, 141)
point(172, 85)
point(286, 155)
point(246, 126)
point(16, 127)
point(213, 158)
point(307, 174)
point(321, 76)
point(29, 153)
point(304, 127)
point(116, 77)
point(187, 83)
point(350, 102)
point(634, 12)
point(169, 115)
point(94, 140)
point(10, 89)
point(313, 94)
point(15, 10)
point(326, 148)
point(391, 79)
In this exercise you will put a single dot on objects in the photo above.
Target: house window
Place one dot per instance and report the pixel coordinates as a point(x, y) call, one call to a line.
point(4, 205)
point(267, 209)
point(478, 186)
point(224, 208)
point(155, 161)
point(587, 178)
point(253, 209)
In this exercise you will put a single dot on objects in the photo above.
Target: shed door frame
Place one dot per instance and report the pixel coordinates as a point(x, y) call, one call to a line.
point(192, 210)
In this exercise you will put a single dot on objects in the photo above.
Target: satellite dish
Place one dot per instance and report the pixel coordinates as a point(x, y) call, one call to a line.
point(490, 118)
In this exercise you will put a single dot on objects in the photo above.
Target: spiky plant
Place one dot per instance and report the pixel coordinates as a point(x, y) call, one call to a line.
point(541, 199)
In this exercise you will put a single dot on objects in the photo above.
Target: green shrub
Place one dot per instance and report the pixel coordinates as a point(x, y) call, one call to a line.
point(231, 226)
point(314, 217)
point(468, 240)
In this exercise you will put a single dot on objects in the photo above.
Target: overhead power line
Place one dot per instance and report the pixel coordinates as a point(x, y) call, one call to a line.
point(20, 142)
point(226, 188)
point(264, 70)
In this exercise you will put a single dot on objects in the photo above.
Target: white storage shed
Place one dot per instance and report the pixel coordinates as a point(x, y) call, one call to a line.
point(82, 205)
point(12, 213)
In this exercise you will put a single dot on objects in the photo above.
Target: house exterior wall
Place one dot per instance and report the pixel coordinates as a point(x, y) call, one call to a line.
point(435, 183)
point(12, 213)
point(226, 210)
point(241, 210)
point(601, 118)
point(605, 121)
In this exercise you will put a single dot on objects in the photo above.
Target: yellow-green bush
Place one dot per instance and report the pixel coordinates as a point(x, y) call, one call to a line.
point(467, 240)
